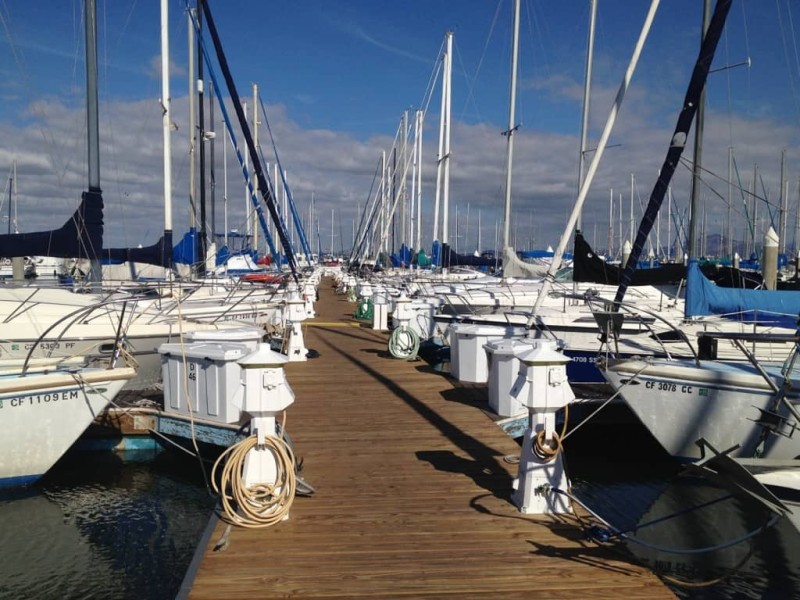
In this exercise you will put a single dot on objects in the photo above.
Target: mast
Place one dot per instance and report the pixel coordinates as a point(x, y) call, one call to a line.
point(784, 201)
point(419, 116)
point(414, 166)
point(10, 188)
point(446, 157)
point(212, 138)
point(203, 237)
point(404, 229)
point(633, 184)
point(247, 220)
point(442, 169)
point(93, 129)
point(509, 133)
point(225, 184)
point(192, 120)
point(698, 151)
point(669, 223)
point(730, 202)
point(166, 131)
point(610, 249)
point(255, 141)
point(562, 244)
point(479, 231)
point(16, 217)
point(587, 83)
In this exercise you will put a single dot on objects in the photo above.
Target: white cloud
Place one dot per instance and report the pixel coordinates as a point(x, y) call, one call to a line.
point(338, 169)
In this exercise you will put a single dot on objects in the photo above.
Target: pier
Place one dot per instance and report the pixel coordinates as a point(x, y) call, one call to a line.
point(412, 494)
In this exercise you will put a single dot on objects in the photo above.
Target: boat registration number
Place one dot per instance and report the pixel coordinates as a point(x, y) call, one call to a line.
point(667, 386)
point(39, 399)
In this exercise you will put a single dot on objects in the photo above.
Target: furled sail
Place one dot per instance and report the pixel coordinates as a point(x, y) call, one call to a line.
point(679, 137)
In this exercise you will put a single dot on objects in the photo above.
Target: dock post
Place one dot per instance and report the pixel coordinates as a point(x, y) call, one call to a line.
point(769, 263)
point(294, 315)
point(544, 390)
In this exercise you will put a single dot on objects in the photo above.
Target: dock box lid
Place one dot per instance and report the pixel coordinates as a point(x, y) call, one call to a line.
point(222, 352)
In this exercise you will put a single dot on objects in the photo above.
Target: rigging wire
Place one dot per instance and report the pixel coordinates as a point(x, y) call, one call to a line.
point(785, 45)
point(686, 162)
point(434, 76)
point(37, 108)
point(471, 84)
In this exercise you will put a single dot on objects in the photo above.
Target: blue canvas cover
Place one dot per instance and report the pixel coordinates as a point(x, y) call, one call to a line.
point(780, 307)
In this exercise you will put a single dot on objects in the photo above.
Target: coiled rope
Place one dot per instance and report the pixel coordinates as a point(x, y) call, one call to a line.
point(546, 452)
point(404, 343)
point(261, 505)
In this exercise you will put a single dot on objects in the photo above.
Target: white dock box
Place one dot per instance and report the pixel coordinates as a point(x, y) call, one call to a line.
point(207, 375)
point(503, 372)
point(249, 336)
point(468, 361)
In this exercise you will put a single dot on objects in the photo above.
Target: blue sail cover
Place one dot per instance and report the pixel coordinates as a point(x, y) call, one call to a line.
point(780, 307)
point(185, 251)
point(436, 252)
point(402, 258)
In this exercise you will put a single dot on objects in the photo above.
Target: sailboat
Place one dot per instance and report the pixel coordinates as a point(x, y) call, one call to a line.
point(749, 406)
point(44, 410)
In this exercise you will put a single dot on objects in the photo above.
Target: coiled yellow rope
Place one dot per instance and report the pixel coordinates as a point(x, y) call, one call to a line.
point(546, 452)
point(260, 505)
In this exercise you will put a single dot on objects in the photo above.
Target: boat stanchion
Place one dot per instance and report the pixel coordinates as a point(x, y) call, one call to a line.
point(543, 390)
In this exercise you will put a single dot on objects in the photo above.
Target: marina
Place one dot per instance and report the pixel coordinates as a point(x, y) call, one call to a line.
point(413, 494)
point(415, 413)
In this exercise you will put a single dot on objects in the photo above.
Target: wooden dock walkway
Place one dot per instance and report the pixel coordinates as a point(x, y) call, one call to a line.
point(413, 495)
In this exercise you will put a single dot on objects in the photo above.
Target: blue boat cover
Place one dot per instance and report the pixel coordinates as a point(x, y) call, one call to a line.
point(780, 307)
point(402, 258)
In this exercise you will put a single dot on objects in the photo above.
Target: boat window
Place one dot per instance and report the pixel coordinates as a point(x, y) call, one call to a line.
point(564, 275)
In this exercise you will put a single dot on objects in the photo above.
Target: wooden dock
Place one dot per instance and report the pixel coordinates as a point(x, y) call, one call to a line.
point(413, 495)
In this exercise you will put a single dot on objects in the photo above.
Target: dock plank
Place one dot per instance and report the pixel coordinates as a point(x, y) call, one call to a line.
point(413, 494)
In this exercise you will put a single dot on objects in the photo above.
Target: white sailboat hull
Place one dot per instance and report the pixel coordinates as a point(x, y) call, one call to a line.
point(680, 402)
point(43, 414)
point(785, 484)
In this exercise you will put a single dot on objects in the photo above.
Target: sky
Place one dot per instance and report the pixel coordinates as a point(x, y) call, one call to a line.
point(335, 78)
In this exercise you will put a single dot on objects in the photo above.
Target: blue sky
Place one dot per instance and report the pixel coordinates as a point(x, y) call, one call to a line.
point(336, 77)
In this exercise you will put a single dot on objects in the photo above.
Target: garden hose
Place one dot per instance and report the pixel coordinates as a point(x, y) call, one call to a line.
point(404, 343)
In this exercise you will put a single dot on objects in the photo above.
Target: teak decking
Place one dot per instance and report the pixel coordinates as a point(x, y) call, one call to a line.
point(412, 494)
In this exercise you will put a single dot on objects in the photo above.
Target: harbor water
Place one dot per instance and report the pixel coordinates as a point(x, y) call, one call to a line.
point(107, 526)
point(103, 526)
point(702, 542)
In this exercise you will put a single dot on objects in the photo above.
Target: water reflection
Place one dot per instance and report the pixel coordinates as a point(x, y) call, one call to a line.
point(636, 496)
point(101, 527)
